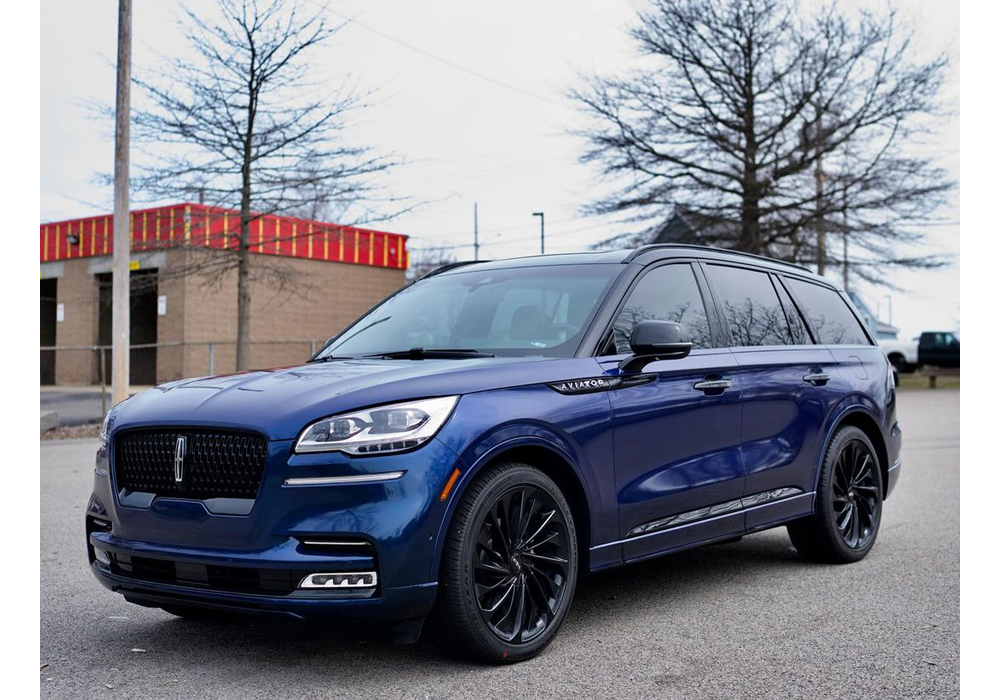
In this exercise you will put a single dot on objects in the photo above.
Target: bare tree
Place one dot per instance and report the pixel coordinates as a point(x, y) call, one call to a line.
point(766, 129)
point(242, 125)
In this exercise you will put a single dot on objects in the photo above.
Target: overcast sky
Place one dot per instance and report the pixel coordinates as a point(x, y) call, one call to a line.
point(498, 138)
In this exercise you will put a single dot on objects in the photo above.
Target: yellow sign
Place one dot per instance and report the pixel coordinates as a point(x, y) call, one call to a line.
point(133, 264)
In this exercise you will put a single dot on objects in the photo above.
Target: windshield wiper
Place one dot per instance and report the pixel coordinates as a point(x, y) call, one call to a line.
point(331, 358)
point(431, 354)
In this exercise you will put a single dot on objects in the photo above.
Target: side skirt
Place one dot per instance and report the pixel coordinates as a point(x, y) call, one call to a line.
point(711, 524)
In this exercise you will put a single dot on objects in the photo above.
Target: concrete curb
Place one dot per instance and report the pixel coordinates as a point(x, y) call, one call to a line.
point(49, 420)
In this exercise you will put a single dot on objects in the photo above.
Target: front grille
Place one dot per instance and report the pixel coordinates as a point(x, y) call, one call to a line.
point(232, 579)
point(216, 463)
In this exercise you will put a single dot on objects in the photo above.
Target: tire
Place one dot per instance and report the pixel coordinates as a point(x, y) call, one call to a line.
point(197, 614)
point(900, 364)
point(499, 603)
point(848, 513)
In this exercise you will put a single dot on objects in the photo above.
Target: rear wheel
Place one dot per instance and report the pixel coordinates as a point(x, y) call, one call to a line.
point(509, 567)
point(848, 502)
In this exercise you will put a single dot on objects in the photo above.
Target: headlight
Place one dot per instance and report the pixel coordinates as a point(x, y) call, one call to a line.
point(393, 428)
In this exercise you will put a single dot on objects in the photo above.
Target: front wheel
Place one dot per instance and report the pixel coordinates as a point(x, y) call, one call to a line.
point(509, 566)
point(848, 502)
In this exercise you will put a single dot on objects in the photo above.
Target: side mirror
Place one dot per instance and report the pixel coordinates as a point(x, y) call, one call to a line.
point(657, 340)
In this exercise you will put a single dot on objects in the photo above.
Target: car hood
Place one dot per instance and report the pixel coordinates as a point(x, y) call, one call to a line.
point(281, 402)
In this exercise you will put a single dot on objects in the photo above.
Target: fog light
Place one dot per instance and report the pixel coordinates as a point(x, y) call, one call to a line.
point(359, 579)
point(102, 556)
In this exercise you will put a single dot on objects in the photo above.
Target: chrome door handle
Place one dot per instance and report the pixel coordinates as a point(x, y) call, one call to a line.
point(817, 378)
point(719, 385)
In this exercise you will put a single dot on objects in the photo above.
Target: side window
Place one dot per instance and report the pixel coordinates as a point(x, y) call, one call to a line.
point(668, 293)
point(750, 305)
point(795, 321)
point(830, 315)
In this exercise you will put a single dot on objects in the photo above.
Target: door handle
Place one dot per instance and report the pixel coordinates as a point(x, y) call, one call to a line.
point(817, 378)
point(719, 385)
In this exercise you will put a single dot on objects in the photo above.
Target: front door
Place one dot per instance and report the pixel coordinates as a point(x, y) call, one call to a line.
point(678, 469)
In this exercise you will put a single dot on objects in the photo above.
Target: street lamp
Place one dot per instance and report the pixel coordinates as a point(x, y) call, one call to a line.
point(542, 215)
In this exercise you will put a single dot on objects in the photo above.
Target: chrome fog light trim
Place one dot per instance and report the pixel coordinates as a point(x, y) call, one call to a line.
point(348, 579)
point(102, 556)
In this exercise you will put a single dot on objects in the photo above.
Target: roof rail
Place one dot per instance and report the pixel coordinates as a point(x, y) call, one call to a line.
point(691, 246)
point(449, 266)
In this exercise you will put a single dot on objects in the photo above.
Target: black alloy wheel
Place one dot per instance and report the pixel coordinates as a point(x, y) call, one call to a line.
point(520, 564)
point(848, 509)
point(508, 568)
point(857, 498)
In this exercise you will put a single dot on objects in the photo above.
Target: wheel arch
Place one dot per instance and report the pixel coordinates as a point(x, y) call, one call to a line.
point(548, 459)
point(863, 421)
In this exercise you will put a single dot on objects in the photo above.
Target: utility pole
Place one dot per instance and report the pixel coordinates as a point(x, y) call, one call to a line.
point(475, 229)
point(846, 264)
point(542, 215)
point(120, 260)
point(820, 223)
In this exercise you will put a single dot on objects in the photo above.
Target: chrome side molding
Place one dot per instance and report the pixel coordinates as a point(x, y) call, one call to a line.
point(732, 506)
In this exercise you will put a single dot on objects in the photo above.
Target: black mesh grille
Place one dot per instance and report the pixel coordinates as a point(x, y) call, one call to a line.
point(217, 463)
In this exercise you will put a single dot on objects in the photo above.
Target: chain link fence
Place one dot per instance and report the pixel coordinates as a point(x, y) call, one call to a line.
point(76, 380)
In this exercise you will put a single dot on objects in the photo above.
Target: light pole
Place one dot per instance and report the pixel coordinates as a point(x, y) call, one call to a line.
point(541, 214)
point(475, 230)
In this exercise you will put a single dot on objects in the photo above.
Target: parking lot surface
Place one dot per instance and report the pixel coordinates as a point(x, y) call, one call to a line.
point(748, 619)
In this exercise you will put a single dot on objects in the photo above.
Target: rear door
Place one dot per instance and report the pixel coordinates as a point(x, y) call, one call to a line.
point(676, 428)
point(788, 390)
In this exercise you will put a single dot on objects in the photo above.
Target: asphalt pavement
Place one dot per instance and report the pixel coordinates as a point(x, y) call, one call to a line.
point(748, 619)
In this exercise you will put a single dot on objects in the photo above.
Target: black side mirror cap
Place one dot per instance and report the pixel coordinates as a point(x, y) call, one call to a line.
point(656, 340)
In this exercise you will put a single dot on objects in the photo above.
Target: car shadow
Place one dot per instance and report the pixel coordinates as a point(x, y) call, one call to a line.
point(317, 647)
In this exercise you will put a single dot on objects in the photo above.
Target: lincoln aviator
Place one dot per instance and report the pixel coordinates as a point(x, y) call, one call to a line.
point(461, 454)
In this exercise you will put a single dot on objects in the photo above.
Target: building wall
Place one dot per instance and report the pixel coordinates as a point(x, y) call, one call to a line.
point(287, 322)
point(316, 300)
point(78, 293)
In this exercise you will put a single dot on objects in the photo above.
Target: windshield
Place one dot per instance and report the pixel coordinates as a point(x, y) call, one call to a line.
point(522, 311)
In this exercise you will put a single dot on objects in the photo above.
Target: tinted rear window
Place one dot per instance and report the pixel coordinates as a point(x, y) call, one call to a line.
point(750, 306)
point(829, 314)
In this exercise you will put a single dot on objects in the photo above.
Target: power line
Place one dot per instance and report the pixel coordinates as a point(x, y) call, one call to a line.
point(440, 59)
point(497, 240)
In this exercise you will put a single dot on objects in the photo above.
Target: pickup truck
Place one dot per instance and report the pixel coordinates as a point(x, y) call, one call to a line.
point(937, 348)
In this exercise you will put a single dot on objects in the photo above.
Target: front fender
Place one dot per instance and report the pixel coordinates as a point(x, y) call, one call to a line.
point(576, 429)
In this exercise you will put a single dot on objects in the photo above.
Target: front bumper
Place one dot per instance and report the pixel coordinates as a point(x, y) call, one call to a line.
point(173, 537)
point(392, 604)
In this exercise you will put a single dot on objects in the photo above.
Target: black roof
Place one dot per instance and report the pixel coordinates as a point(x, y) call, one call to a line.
point(643, 254)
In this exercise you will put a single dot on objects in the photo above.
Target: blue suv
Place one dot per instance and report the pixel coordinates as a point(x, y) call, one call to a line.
point(468, 448)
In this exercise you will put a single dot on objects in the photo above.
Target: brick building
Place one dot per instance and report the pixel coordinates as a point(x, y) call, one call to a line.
point(184, 312)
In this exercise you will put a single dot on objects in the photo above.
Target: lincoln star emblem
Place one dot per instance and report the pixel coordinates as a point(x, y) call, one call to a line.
point(179, 452)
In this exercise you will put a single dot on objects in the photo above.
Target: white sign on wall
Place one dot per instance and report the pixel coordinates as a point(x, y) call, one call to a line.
point(60, 313)
point(161, 305)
